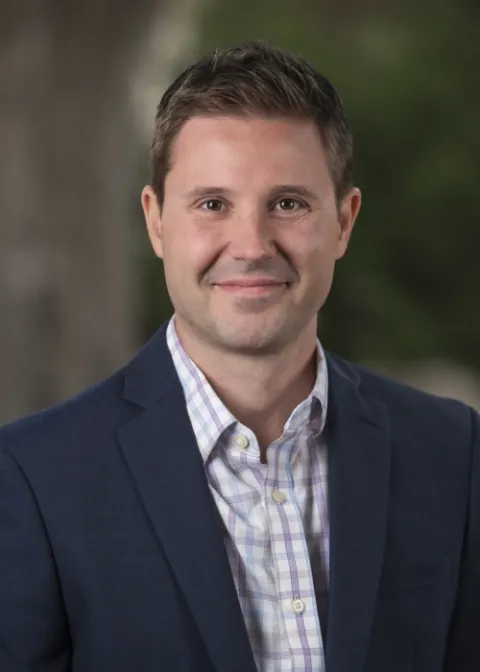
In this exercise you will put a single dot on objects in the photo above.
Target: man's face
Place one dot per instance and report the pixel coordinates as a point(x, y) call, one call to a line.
point(249, 231)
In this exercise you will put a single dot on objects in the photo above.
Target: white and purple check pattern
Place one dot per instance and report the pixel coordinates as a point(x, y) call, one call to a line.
point(275, 516)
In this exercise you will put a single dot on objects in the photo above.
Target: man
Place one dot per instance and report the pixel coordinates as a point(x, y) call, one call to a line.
point(236, 498)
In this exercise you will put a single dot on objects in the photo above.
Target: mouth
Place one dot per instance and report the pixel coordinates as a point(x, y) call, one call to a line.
point(253, 287)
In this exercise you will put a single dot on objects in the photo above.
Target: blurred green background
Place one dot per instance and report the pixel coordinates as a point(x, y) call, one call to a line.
point(405, 298)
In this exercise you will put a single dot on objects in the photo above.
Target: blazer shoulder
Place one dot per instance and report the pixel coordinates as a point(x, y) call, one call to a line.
point(66, 421)
point(87, 423)
point(406, 400)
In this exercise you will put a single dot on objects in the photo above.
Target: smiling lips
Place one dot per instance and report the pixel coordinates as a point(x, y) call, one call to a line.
point(251, 286)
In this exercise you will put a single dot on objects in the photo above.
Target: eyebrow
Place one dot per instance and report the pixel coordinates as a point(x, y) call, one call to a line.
point(205, 192)
point(294, 190)
point(290, 189)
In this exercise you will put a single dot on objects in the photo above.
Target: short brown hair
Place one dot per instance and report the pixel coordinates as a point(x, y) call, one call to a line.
point(254, 79)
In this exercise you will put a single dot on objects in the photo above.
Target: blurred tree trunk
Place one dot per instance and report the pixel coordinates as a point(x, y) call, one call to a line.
point(67, 165)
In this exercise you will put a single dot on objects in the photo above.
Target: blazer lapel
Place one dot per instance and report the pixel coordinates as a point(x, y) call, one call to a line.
point(359, 470)
point(160, 449)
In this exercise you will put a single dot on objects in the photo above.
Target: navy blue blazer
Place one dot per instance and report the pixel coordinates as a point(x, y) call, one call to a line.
point(112, 554)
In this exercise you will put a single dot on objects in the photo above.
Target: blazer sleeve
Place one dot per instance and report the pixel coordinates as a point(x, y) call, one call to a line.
point(33, 625)
point(463, 652)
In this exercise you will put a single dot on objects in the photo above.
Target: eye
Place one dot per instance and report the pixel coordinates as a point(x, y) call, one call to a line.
point(212, 205)
point(289, 205)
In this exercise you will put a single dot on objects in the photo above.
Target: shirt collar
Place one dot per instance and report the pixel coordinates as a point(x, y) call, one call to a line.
point(210, 418)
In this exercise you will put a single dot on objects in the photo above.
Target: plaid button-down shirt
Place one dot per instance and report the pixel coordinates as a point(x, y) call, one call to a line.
point(275, 516)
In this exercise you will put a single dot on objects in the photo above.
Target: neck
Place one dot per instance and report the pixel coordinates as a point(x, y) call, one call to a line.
point(262, 391)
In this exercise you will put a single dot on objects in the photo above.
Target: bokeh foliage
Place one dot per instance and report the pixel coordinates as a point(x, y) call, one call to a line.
point(408, 74)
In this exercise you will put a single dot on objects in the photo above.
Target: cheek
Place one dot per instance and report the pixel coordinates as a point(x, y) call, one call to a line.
point(317, 260)
point(187, 253)
point(308, 250)
point(323, 245)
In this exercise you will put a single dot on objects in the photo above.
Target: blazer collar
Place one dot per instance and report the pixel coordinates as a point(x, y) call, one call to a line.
point(151, 373)
point(359, 455)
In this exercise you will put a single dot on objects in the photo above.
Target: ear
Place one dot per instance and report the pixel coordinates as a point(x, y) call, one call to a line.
point(349, 209)
point(153, 219)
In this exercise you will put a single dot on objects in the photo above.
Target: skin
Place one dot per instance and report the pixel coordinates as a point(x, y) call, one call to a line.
point(249, 232)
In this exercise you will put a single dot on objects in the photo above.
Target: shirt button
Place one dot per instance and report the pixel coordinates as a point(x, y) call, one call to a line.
point(279, 496)
point(298, 606)
point(241, 441)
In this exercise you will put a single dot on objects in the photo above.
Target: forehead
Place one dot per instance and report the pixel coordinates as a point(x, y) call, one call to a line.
point(247, 150)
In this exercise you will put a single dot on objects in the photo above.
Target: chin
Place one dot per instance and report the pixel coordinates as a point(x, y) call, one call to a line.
point(256, 342)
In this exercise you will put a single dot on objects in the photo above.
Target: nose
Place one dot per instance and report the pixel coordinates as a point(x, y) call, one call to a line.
point(251, 238)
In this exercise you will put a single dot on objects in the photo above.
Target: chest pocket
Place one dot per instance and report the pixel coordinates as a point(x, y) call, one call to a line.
point(399, 579)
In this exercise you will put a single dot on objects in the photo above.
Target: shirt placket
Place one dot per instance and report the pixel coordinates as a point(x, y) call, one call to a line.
point(294, 583)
